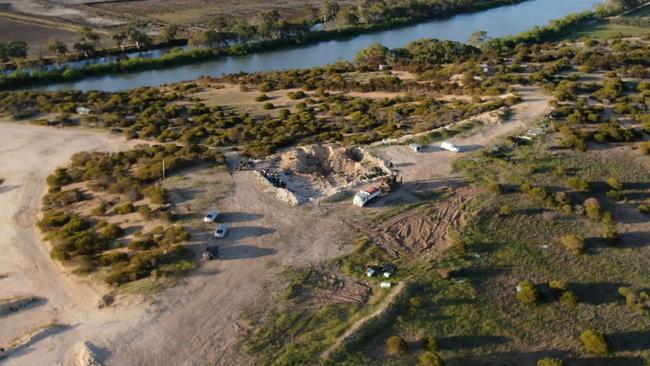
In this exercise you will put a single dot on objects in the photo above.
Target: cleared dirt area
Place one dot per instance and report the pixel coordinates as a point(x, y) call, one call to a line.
point(61, 10)
point(198, 321)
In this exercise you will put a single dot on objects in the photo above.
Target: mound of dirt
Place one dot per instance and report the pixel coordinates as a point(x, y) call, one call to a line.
point(319, 171)
point(324, 161)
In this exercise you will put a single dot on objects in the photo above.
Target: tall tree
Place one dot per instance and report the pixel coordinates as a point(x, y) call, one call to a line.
point(56, 47)
point(478, 38)
point(168, 33)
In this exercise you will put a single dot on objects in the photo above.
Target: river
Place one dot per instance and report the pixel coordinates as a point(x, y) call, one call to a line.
point(498, 22)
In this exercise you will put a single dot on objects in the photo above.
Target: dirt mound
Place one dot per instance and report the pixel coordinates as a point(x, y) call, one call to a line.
point(324, 161)
point(317, 171)
point(341, 291)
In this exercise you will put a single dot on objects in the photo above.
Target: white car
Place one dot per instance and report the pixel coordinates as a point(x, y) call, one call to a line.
point(221, 231)
point(211, 216)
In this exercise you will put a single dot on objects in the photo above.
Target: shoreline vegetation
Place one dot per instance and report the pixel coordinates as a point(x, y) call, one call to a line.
point(21, 78)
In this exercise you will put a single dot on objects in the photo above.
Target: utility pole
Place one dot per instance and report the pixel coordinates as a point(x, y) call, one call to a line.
point(163, 169)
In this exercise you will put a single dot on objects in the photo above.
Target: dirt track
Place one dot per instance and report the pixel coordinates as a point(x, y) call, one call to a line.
point(195, 322)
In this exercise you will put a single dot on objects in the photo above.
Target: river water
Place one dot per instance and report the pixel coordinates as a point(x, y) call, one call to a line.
point(498, 22)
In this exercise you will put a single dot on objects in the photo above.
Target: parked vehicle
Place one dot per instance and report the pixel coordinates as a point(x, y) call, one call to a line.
point(211, 216)
point(366, 195)
point(210, 253)
point(221, 231)
point(449, 147)
point(415, 147)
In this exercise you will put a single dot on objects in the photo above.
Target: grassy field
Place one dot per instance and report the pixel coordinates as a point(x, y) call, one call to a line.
point(602, 30)
point(36, 36)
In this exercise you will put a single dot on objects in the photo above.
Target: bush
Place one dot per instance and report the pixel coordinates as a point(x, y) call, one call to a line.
point(644, 147)
point(430, 359)
point(559, 285)
point(610, 234)
point(573, 243)
point(268, 106)
point(111, 232)
point(143, 244)
point(145, 212)
point(592, 208)
point(395, 345)
point(157, 194)
point(505, 210)
point(262, 98)
point(550, 362)
point(569, 300)
point(578, 184)
point(527, 293)
point(615, 184)
point(594, 342)
point(495, 188)
point(430, 343)
point(110, 259)
point(125, 209)
point(100, 210)
point(644, 209)
point(615, 195)
point(296, 95)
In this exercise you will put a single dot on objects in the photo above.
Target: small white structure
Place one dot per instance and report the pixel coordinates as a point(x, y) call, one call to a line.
point(449, 147)
point(382, 67)
point(366, 195)
point(385, 285)
point(83, 110)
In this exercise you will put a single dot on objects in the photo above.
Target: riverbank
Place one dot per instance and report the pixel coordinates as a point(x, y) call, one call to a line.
point(185, 57)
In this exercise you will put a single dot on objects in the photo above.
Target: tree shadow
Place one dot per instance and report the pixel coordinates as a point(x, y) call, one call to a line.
point(639, 239)
point(4, 189)
point(230, 217)
point(606, 361)
point(597, 293)
point(37, 301)
point(470, 342)
point(244, 252)
point(183, 195)
point(243, 232)
point(478, 275)
point(630, 341)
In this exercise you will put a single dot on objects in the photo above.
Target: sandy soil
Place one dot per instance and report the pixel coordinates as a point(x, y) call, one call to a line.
point(60, 10)
point(198, 321)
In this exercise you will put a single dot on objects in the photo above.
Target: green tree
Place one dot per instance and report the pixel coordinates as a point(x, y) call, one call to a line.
point(594, 342)
point(478, 38)
point(370, 58)
point(168, 33)
point(56, 47)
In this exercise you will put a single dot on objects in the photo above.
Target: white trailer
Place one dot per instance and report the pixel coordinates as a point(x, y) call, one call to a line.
point(365, 195)
point(415, 147)
point(449, 147)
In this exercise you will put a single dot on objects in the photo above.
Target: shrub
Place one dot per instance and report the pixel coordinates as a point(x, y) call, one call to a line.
point(644, 147)
point(505, 210)
point(157, 194)
point(268, 106)
point(615, 195)
point(143, 244)
point(610, 234)
point(395, 345)
point(111, 232)
point(615, 184)
point(430, 359)
point(262, 98)
point(296, 95)
point(569, 300)
point(174, 235)
point(594, 342)
point(558, 285)
point(550, 362)
point(110, 259)
point(415, 301)
point(495, 188)
point(645, 209)
point(124, 209)
point(430, 343)
point(592, 208)
point(578, 184)
point(145, 212)
point(100, 210)
point(527, 293)
point(573, 243)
